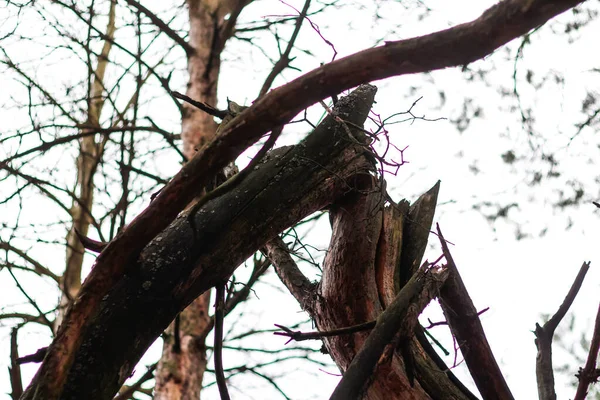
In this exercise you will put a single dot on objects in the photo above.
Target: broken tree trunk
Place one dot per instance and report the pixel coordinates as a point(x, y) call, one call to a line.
point(372, 250)
point(180, 264)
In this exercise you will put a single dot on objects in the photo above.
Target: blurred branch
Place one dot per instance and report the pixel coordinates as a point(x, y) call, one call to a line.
point(164, 28)
point(543, 339)
point(38, 268)
point(589, 374)
point(36, 357)
point(129, 391)
point(218, 348)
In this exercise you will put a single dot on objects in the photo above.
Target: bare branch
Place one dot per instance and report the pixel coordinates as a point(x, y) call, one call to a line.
point(207, 108)
point(543, 339)
point(284, 59)
point(38, 268)
point(218, 349)
point(465, 325)
point(299, 336)
point(14, 370)
point(30, 300)
point(589, 374)
point(164, 28)
point(130, 390)
point(90, 244)
point(299, 286)
point(36, 357)
point(87, 131)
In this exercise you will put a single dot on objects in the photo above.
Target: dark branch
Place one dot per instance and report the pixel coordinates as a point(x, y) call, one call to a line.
point(218, 349)
point(164, 28)
point(201, 105)
point(284, 59)
point(300, 336)
point(90, 244)
point(36, 357)
point(465, 325)
point(543, 340)
point(130, 390)
point(14, 370)
point(589, 374)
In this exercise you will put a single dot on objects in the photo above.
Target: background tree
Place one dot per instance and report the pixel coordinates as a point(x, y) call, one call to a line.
point(274, 112)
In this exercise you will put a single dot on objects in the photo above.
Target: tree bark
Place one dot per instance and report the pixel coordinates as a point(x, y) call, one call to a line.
point(181, 264)
point(183, 362)
point(352, 292)
point(370, 247)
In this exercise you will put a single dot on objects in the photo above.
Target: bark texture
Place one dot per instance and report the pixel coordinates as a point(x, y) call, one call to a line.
point(183, 362)
point(371, 246)
point(180, 264)
point(360, 279)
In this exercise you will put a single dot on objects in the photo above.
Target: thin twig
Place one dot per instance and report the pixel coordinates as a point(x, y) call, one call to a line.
point(284, 59)
point(164, 27)
point(300, 336)
point(31, 301)
point(201, 105)
point(218, 348)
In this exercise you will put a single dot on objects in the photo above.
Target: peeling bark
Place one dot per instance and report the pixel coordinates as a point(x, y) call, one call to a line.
point(361, 279)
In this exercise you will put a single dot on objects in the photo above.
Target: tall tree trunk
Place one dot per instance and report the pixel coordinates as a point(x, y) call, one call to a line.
point(89, 156)
point(183, 362)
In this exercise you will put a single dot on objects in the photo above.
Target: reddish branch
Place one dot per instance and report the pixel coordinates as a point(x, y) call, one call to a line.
point(455, 46)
